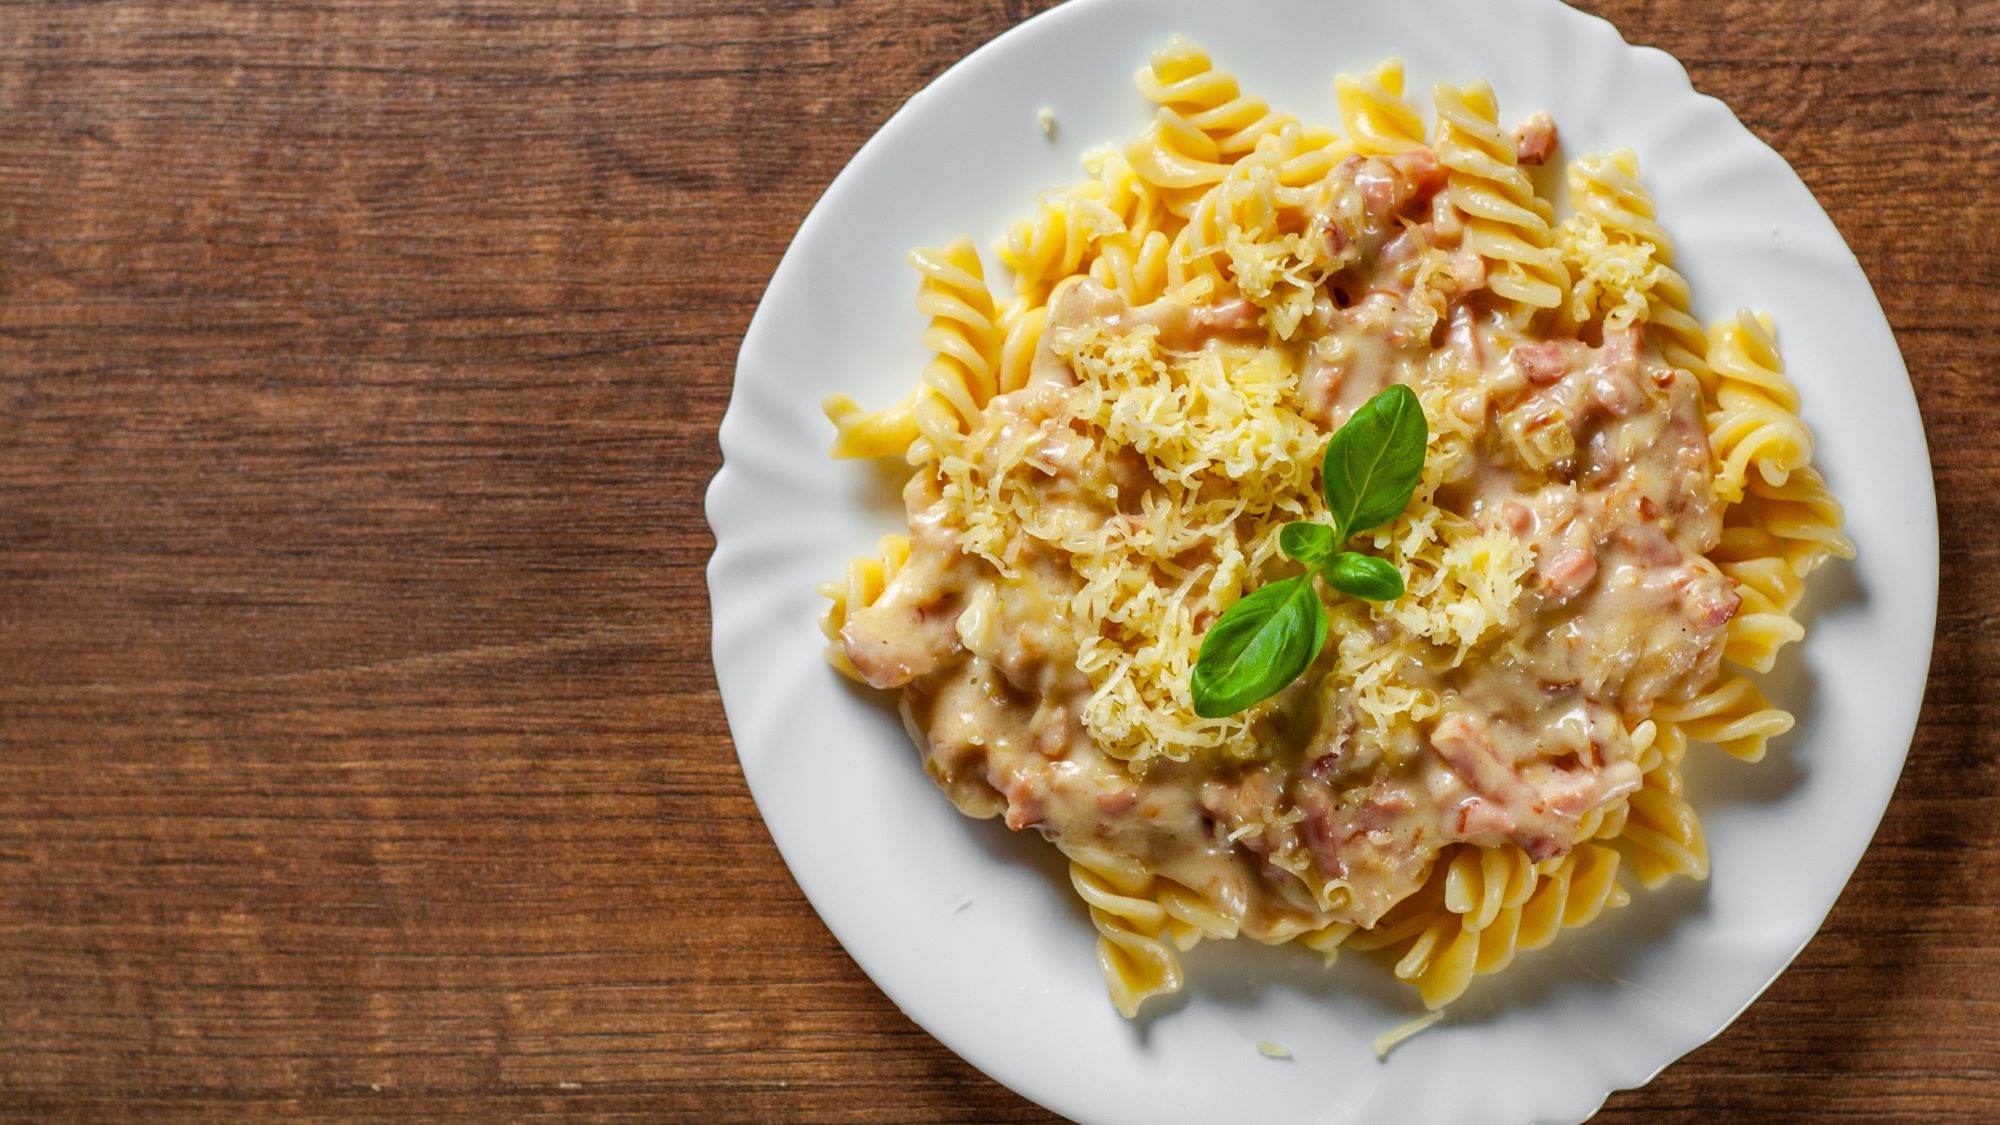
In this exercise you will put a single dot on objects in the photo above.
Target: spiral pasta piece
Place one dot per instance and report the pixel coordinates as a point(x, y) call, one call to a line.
point(1181, 77)
point(1802, 516)
point(1516, 906)
point(1191, 917)
point(1603, 822)
point(1177, 161)
point(1764, 623)
point(1733, 714)
point(1606, 187)
point(1605, 190)
point(862, 433)
point(1504, 226)
point(1138, 271)
point(1059, 239)
point(960, 379)
point(1662, 829)
point(1020, 326)
point(864, 581)
point(1372, 111)
point(1134, 949)
point(1755, 425)
point(1580, 887)
point(963, 375)
point(1137, 204)
point(1481, 882)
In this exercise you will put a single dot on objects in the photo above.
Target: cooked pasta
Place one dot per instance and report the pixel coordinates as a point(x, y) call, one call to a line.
point(1503, 223)
point(1181, 77)
point(1372, 110)
point(1611, 531)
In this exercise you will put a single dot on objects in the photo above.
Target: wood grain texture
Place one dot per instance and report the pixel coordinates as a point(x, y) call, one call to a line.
point(360, 365)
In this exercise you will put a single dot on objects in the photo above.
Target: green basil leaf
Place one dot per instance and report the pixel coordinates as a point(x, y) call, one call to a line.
point(1373, 463)
point(1257, 646)
point(1309, 543)
point(1364, 576)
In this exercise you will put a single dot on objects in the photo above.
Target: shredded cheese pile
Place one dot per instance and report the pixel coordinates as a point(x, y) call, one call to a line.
point(1228, 457)
point(1615, 272)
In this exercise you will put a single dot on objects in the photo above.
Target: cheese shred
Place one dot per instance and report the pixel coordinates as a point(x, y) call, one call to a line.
point(1214, 453)
point(1397, 1036)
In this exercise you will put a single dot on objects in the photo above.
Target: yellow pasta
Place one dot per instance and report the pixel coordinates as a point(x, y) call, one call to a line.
point(1372, 110)
point(1733, 715)
point(1488, 905)
point(1059, 239)
point(1755, 425)
point(1137, 270)
point(1802, 516)
point(1504, 225)
point(1182, 78)
point(1661, 828)
point(1233, 219)
point(1133, 945)
point(866, 577)
point(1614, 206)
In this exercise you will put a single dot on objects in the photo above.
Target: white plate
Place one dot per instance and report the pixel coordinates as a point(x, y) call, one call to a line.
point(1010, 981)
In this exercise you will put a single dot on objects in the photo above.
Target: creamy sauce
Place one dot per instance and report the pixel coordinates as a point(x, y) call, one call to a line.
point(1593, 457)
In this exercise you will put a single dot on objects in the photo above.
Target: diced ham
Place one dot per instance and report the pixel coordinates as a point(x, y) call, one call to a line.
point(1462, 339)
point(1535, 139)
point(1620, 353)
point(1464, 745)
point(1322, 834)
point(1569, 571)
point(1237, 315)
point(1337, 238)
point(1118, 801)
point(1024, 806)
point(1617, 393)
point(1420, 169)
point(1384, 809)
point(1707, 599)
point(1468, 271)
point(1245, 799)
point(1479, 817)
point(1389, 184)
point(1378, 189)
point(1544, 363)
point(1503, 802)
point(1403, 247)
point(1447, 221)
point(1647, 544)
point(901, 637)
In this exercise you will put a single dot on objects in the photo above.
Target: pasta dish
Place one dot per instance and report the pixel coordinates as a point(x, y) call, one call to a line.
point(1612, 521)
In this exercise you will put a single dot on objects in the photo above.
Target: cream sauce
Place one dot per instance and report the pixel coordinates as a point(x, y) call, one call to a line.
point(1594, 457)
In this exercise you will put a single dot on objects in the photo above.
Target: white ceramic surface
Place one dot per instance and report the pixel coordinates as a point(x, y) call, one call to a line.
point(974, 931)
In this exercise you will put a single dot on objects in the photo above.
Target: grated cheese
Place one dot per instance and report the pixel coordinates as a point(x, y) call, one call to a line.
point(1230, 456)
point(1397, 1036)
point(1615, 272)
point(1277, 270)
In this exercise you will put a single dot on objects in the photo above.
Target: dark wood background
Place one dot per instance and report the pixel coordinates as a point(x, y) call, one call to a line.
point(360, 365)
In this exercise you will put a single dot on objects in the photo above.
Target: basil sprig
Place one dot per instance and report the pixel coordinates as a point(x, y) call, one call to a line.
point(1268, 638)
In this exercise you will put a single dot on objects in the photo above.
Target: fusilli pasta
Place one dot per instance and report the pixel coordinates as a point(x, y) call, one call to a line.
point(1221, 205)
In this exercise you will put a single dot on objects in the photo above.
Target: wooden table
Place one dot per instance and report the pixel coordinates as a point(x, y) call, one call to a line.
point(360, 365)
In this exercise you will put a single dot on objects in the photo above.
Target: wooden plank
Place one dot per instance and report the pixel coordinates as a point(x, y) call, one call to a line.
point(359, 372)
